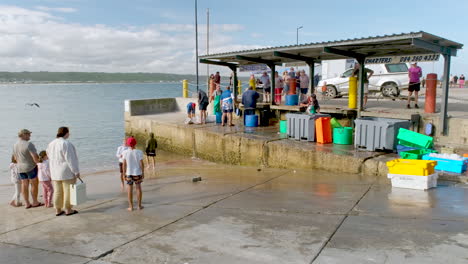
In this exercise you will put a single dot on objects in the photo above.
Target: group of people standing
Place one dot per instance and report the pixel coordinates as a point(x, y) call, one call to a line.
point(300, 78)
point(55, 168)
point(454, 80)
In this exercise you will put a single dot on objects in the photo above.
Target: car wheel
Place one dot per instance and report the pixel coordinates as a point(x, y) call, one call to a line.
point(331, 91)
point(390, 90)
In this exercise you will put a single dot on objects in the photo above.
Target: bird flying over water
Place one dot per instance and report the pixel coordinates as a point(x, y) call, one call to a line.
point(33, 104)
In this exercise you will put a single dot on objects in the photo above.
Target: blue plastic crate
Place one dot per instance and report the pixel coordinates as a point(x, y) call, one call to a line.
point(401, 148)
point(457, 166)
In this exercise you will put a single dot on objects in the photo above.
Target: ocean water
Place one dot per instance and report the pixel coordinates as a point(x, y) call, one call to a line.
point(93, 112)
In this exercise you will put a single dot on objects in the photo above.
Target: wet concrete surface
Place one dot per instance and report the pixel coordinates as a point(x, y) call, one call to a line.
point(244, 215)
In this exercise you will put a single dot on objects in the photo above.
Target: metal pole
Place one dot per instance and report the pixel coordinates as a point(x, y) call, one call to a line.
point(208, 47)
point(362, 75)
point(196, 41)
point(311, 76)
point(445, 93)
point(272, 85)
point(297, 35)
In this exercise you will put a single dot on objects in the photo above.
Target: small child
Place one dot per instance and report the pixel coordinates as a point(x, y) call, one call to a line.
point(119, 155)
point(151, 146)
point(15, 179)
point(134, 172)
point(311, 103)
point(191, 110)
point(44, 178)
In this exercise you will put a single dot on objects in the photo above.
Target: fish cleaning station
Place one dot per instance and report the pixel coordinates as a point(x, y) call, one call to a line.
point(286, 138)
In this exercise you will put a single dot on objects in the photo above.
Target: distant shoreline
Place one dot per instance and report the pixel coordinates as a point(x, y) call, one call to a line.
point(116, 82)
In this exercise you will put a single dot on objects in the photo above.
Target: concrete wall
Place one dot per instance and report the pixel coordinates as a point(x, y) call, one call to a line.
point(160, 106)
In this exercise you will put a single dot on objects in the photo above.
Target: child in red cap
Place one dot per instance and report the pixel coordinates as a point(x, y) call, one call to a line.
point(134, 172)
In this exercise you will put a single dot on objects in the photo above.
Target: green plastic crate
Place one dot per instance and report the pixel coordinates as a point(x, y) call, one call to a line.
point(415, 154)
point(412, 139)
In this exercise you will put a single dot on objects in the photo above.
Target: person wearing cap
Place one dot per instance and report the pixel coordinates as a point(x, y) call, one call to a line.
point(134, 172)
point(64, 170)
point(26, 156)
point(414, 74)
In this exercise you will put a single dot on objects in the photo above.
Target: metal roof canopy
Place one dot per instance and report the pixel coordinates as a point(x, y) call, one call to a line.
point(413, 43)
point(394, 45)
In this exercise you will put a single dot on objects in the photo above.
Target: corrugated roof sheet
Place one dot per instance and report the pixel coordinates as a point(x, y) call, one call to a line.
point(337, 43)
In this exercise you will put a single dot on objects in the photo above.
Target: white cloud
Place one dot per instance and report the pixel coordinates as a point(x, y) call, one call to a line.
point(32, 40)
point(56, 9)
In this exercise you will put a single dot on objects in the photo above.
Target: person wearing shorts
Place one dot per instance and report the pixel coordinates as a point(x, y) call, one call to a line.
point(134, 172)
point(191, 110)
point(151, 146)
point(227, 100)
point(119, 154)
point(26, 156)
point(265, 79)
point(203, 105)
point(368, 74)
point(304, 84)
point(414, 74)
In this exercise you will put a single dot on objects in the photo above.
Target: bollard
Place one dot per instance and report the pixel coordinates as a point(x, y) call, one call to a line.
point(431, 93)
point(185, 88)
point(239, 87)
point(292, 86)
point(352, 101)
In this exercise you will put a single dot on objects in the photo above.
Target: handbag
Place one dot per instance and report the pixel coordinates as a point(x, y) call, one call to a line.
point(78, 193)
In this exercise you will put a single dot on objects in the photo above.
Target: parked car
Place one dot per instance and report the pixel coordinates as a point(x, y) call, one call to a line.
point(389, 79)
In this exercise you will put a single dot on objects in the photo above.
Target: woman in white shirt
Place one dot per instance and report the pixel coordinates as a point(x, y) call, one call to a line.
point(64, 170)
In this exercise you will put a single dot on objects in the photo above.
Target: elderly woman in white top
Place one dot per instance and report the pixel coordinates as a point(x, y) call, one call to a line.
point(64, 170)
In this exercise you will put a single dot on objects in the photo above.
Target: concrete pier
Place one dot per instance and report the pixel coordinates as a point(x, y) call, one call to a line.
point(234, 146)
point(238, 215)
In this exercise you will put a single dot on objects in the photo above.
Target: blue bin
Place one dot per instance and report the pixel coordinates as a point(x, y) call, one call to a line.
point(292, 99)
point(219, 117)
point(251, 120)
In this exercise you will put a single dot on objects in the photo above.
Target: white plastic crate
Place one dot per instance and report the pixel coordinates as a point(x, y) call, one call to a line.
point(414, 182)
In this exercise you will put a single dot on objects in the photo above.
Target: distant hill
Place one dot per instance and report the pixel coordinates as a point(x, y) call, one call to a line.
point(99, 77)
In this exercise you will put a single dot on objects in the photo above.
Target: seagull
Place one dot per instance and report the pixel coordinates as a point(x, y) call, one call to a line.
point(34, 104)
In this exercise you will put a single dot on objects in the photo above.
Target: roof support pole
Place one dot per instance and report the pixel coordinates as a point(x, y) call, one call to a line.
point(234, 83)
point(362, 76)
point(272, 83)
point(445, 91)
point(311, 76)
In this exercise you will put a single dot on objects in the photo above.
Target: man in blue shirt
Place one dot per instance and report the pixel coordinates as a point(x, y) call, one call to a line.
point(249, 100)
point(227, 100)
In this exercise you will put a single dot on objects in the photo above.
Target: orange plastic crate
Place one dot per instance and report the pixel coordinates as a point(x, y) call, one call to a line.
point(323, 130)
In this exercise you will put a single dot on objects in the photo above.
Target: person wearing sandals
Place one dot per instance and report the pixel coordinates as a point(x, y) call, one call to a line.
point(26, 156)
point(134, 172)
point(64, 170)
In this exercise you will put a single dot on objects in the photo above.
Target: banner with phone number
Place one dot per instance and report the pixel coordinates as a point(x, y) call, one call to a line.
point(403, 59)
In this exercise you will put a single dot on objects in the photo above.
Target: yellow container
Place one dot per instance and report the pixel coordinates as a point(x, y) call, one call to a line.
point(411, 167)
point(352, 99)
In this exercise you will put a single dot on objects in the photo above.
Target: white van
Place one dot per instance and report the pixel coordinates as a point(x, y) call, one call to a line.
point(389, 79)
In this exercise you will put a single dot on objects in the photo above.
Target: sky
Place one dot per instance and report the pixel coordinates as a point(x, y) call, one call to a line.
point(158, 36)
